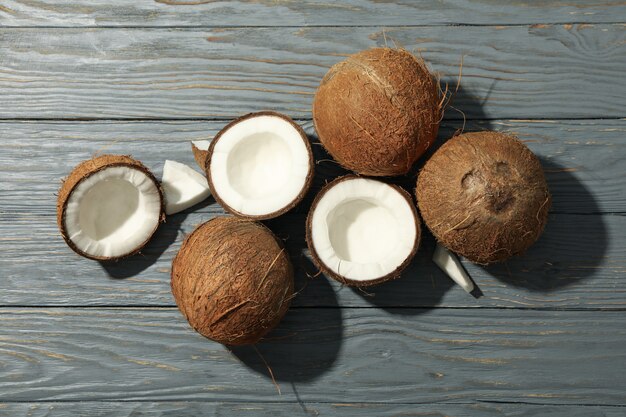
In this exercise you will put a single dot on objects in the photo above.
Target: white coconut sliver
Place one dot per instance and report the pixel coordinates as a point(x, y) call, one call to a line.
point(450, 264)
point(363, 229)
point(202, 145)
point(183, 187)
point(113, 212)
point(259, 165)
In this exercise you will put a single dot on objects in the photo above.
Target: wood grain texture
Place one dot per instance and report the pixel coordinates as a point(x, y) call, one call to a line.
point(227, 409)
point(583, 159)
point(579, 262)
point(301, 13)
point(327, 355)
point(540, 71)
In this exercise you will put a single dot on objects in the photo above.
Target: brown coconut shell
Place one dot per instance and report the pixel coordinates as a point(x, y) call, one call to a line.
point(332, 274)
point(200, 156)
point(83, 171)
point(232, 280)
point(484, 195)
point(295, 201)
point(378, 111)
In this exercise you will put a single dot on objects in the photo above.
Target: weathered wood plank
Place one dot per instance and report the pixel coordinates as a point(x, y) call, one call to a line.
point(579, 263)
point(583, 158)
point(323, 355)
point(225, 409)
point(301, 13)
point(541, 71)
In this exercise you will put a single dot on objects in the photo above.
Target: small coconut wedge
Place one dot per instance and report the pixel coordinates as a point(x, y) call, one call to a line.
point(450, 264)
point(200, 149)
point(260, 165)
point(109, 207)
point(361, 231)
point(183, 187)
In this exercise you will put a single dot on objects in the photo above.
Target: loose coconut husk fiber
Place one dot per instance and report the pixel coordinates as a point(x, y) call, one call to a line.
point(84, 170)
point(484, 195)
point(378, 111)
point(232, 280)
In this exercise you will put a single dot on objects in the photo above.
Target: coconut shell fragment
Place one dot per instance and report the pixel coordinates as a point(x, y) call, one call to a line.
point(200, 149)
point(484, 196)
point(232, 280)
point(109, 207)
point(378, 111)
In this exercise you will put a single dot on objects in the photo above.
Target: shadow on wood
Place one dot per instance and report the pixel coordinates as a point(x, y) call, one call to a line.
point(421, 281)
point(304, 345)
point(162, 239)
point(552, 262)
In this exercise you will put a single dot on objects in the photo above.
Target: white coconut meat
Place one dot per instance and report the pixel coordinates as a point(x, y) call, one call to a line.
point(113, 212)
point(450, 264)
point(259, 165)
point(363, 229)
point(183, 187)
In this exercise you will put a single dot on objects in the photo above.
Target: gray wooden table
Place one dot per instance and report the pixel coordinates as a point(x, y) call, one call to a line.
point(145, 77)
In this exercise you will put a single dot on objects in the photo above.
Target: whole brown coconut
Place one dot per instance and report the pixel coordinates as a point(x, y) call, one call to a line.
point(232, 280)
point(378, 111)
point(484, 196)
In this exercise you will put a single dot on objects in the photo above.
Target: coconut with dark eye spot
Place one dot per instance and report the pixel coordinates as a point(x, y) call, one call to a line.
point(378, 111)
point(232, 280)
point(484, 195)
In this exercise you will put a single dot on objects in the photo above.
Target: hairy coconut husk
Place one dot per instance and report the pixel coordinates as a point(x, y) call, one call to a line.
point(332, 274)
point(200, 156)
point(232, 280)
point(378, 111)
point(295, 201)
point(83, 171)
point(484, 195)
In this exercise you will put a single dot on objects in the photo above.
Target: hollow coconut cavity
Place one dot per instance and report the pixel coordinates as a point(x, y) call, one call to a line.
point(109, 207)
point(378, 111)
point(260, 165)
point(232, 280)
point(484, 195)
point(362, 231)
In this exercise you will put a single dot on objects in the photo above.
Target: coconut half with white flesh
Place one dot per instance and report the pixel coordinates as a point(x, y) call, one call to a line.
point(361, 231)
point(183, 187)
point(109, 207)
point(200, 149)
point(260, 165)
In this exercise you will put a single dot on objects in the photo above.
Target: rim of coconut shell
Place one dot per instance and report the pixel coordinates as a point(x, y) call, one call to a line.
point(305, 187)
point(441, 105)
point(86, 169)
point(396, 273)
point(544, 207)
point(286, 303)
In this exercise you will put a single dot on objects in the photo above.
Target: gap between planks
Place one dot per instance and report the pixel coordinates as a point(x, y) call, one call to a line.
point(313, 403)
point(314, 26)
point(296, 119)
point(172, 307)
